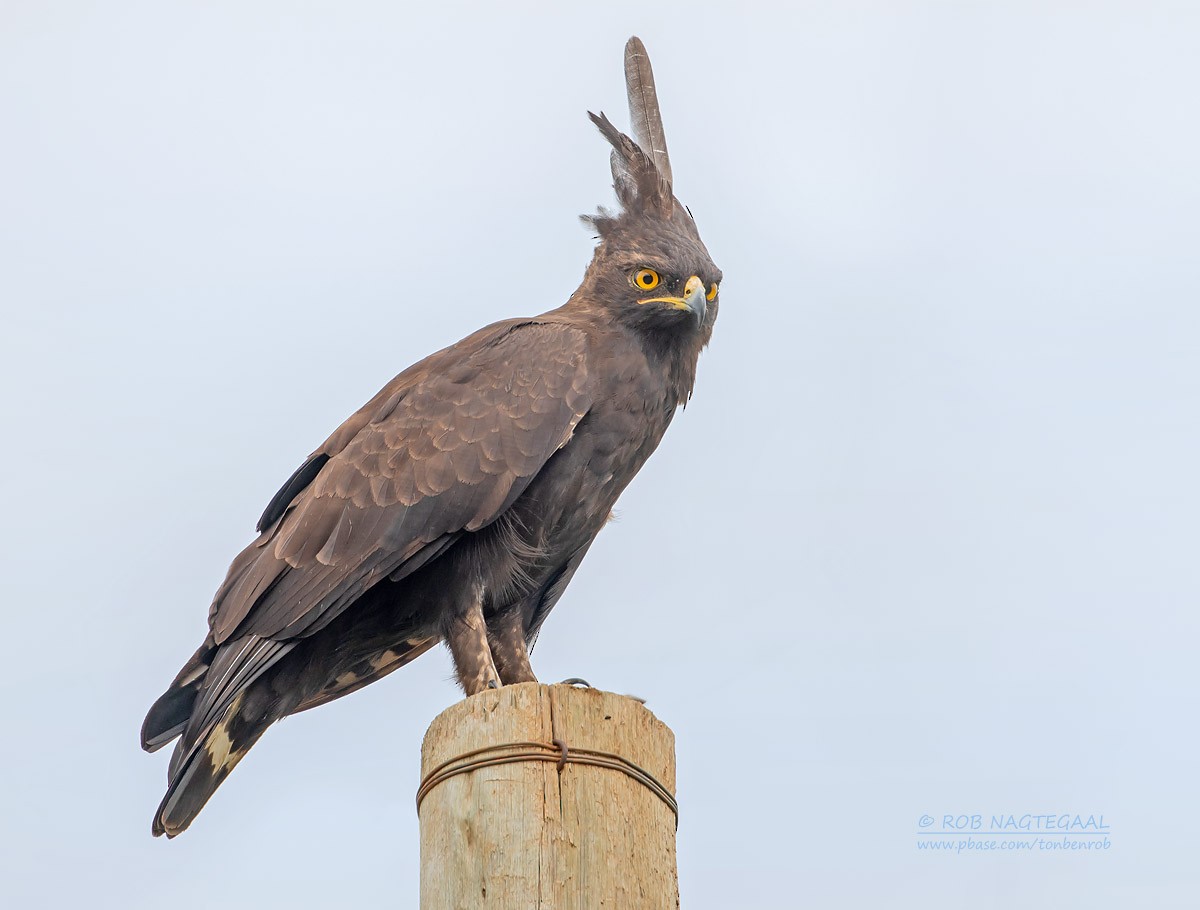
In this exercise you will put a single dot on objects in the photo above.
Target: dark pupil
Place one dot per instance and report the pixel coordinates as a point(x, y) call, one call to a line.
point(647, 278)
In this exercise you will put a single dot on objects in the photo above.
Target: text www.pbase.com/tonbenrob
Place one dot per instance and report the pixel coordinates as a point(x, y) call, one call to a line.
point(1065, 832)
point(1037, 844)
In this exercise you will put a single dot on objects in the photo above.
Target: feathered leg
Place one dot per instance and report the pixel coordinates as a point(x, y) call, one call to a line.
point(466, 636)
point(506, 637)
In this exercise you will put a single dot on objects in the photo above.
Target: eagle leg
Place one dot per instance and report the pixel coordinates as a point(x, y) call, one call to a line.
point(506, 637)
point(466, 636)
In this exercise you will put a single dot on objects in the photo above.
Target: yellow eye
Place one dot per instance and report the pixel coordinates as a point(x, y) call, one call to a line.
point(712, 292)
point(646, 279)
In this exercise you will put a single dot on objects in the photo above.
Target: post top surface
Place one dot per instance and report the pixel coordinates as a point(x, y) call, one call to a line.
point(582, 718)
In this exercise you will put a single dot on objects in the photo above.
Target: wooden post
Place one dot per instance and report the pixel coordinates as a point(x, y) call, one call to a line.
point(507, 824)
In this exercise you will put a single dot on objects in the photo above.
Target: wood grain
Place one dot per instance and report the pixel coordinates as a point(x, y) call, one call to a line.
point(525, 835)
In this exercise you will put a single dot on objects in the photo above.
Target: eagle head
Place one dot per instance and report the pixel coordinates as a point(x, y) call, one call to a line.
point(651, 268)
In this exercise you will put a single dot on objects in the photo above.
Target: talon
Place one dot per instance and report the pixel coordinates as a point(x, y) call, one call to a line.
point(492, 684)
point(576, 681)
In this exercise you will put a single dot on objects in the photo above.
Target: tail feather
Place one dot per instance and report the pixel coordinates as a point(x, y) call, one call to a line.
point(204, 765)
point(167, 718)
point(169, 715)
point(212, 743)
point(377, 664)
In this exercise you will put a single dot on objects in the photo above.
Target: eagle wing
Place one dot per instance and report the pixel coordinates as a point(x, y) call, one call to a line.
point(443, 449)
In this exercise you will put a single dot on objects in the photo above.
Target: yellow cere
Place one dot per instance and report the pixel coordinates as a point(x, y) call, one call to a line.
point(712, 292)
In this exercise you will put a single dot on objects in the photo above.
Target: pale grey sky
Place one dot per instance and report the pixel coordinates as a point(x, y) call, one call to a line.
point(941, 461)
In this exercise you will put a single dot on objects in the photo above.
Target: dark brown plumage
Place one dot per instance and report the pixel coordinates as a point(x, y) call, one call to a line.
point(457, 503)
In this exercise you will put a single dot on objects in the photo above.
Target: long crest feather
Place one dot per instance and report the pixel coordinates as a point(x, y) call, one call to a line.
point(635, 178)
point(643, 107)
point(640, 167)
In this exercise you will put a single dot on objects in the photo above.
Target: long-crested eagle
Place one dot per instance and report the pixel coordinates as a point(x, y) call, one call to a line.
point(457, 503)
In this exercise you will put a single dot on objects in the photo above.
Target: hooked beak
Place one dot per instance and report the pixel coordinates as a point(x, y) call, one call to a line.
point(692, 299)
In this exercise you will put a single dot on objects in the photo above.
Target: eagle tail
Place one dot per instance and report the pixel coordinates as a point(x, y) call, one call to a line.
point(169, 715)
point(373, 665)
point(209, 762)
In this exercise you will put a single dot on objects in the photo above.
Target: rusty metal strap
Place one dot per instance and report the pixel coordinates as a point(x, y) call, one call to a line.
point(557, 752)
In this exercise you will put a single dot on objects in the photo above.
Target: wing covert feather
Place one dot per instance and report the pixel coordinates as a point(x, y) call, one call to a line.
point(447, 450)
point(442, 450)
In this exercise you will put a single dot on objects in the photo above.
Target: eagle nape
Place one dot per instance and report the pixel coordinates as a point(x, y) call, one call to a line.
point(458, 503)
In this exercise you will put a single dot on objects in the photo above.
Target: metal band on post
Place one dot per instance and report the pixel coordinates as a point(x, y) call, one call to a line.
point(510, 753)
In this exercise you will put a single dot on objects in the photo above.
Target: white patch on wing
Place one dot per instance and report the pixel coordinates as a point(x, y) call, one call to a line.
point(379, 661)
point(219, 745)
